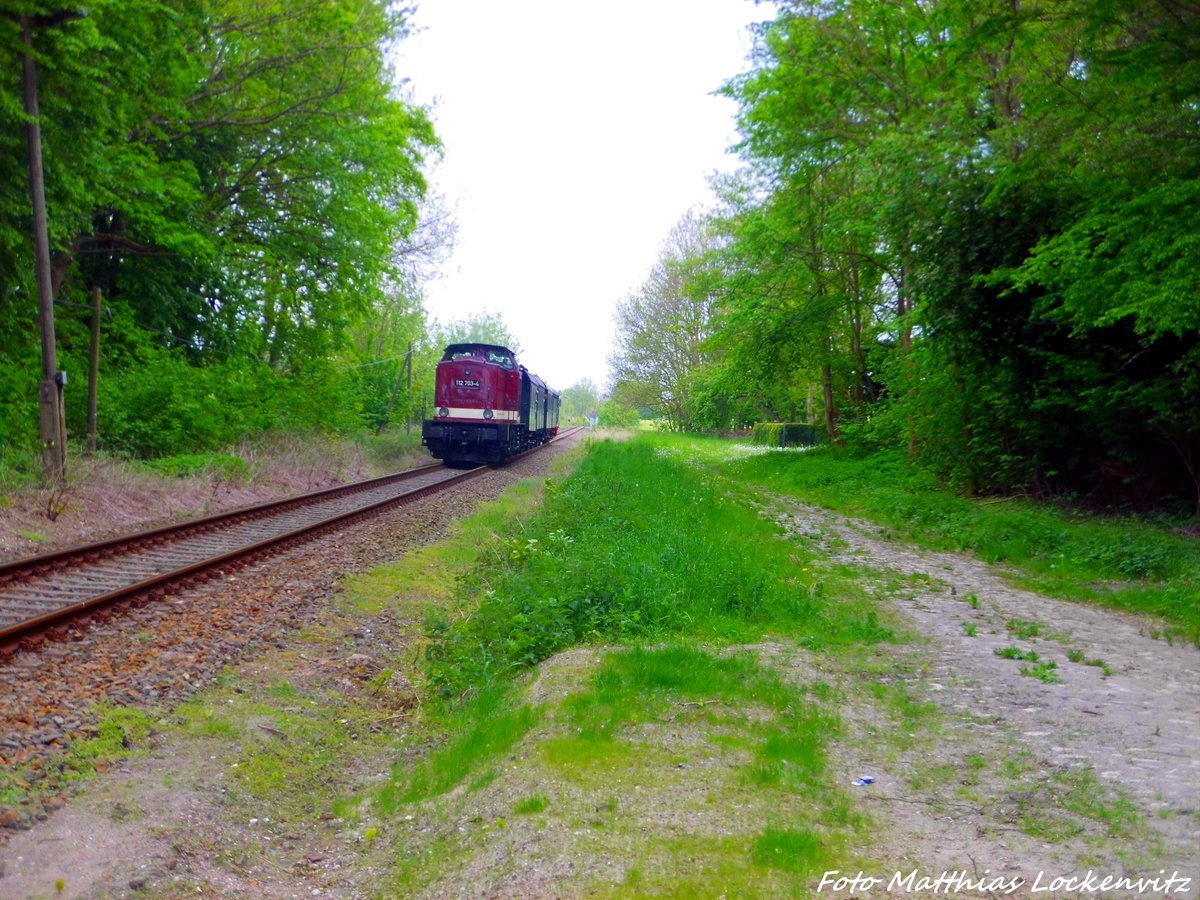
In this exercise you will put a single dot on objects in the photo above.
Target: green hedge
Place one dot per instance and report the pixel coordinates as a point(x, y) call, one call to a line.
point(786, 434)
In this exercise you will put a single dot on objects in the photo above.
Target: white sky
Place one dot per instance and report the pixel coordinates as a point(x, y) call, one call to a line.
point(576, 135)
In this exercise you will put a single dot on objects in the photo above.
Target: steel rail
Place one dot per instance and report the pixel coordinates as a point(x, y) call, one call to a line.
point(30, 632)
point(179, 529)
point(13, 635)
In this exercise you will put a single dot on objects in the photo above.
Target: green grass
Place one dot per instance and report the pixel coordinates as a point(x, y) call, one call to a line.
point(641, 549)
point(774, 735)
point(1045, 671)
point(792, 850)
point(642, 685)
point(1043, 807)
point(222, 465)
point(1023, 629)
point(534, 803)
point(636, 545)
point(477, 733)
point(1017, 653)
point(286, 747)
point(121, 732)
point(1122, 562)
point(1078, 656)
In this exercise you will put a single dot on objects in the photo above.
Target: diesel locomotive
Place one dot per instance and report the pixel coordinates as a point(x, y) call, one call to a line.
point(487, 407)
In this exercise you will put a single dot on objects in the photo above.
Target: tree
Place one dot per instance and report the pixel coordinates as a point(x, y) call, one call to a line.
point(480, 328)
point(392, 353)
point(976, 221)
point(581, 401)
point(232, 174)
point(661, 328)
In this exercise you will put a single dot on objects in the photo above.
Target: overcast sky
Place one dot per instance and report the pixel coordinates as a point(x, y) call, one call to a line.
point(576, 135)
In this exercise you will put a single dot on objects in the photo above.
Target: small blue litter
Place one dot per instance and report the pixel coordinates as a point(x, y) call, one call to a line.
point(863, 780)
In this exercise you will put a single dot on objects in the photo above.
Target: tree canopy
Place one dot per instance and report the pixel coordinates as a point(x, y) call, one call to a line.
point(235, 177)
point(965, 228)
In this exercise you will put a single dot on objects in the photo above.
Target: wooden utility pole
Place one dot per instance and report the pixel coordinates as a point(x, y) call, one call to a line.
point(50, 407)
point(408, 392)
point(93, 369)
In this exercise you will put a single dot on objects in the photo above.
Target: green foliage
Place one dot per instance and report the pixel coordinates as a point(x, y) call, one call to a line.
point(788, 732)
point(1045, 671)
point(121, 732)
point(1023, 628)
point(480, 328)
point(988, 257)
point(785, 434)
point(615, 415)
point(234, 177)
point(661, 328)
point(1016, 653)
point(580, 402)
point(792, 850)
point(534, 803)
point(481, 730)
point(395, 448)
point(166, 406)
point(222, 465)
point(638, 685)
point(1078, 656)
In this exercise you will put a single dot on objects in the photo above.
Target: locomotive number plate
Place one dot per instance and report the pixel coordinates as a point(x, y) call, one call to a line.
point(466, 382)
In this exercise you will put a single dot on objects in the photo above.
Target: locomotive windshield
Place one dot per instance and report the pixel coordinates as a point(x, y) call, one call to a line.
point(499, 356)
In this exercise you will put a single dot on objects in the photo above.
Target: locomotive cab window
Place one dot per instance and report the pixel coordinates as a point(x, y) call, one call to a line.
point(497, 356)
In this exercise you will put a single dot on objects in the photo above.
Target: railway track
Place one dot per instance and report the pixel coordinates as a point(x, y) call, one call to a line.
point(50, 595)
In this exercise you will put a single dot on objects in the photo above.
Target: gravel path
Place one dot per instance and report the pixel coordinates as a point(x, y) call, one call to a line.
point(1138, 727)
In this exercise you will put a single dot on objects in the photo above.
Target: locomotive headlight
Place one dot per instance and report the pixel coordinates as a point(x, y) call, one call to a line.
point(487, 414)
point(443, 412)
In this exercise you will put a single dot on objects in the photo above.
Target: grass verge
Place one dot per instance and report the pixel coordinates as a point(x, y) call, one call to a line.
point(667, 564)
point(635, 546)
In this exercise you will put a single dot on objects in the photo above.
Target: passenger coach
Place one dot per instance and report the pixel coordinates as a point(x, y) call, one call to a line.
point(487, 407)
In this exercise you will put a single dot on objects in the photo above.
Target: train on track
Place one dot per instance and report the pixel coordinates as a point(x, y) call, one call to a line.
point(487, 407)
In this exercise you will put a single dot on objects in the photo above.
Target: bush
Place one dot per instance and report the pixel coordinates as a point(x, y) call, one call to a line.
point(786, 434)
point(614, 415)
point(396, 447)
point(165, 406)
point(222, 465)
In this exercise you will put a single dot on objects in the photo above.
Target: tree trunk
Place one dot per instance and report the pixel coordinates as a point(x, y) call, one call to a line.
point(93, 370)
point(830, 411)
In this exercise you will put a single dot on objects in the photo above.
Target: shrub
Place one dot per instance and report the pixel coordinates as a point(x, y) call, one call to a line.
point(223, 465)
point(786, 434)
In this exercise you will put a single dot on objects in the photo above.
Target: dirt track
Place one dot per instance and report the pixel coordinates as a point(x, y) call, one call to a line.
point(1138, 727)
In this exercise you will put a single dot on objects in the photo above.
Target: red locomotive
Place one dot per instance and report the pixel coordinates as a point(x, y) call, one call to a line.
point(487, 407)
